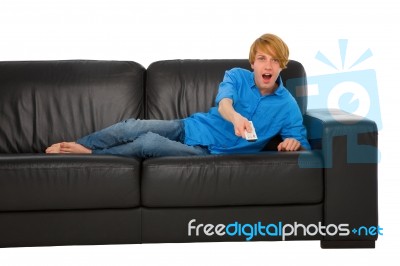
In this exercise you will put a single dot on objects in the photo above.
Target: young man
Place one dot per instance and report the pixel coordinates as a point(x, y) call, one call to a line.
point(243, 96)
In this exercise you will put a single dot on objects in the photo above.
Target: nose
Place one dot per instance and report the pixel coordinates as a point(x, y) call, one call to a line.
point(268, 64)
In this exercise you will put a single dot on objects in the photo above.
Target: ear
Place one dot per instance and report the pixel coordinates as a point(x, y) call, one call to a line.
point(252, 66)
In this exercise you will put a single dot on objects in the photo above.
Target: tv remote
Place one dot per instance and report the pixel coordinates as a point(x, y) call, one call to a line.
point(251, 136)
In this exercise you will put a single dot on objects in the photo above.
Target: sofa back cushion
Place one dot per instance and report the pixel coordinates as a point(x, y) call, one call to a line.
point(179, 88)
point(42, 102)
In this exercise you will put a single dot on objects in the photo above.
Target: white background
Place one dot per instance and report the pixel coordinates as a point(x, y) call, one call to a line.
point(150, 30)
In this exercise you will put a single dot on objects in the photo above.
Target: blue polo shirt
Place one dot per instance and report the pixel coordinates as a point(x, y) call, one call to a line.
point(273, 114)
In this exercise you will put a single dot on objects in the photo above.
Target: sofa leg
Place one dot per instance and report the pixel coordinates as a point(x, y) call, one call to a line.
point(348, 244)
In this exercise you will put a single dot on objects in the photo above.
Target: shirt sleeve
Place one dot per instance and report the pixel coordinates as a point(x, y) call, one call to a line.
point(294, 127)
point(228, 87)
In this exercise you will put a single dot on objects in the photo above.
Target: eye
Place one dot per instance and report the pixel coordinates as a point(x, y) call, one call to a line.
point(261, 58)
point(275, 60)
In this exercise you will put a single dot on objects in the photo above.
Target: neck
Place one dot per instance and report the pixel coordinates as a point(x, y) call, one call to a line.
point(268, 91)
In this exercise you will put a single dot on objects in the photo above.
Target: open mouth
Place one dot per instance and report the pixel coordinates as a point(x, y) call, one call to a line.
point(266, 77)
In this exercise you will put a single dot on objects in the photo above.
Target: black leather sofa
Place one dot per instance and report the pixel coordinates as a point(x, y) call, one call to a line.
point(50, 200)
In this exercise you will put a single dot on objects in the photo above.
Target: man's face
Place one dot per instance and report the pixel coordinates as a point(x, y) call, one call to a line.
point(266, 70)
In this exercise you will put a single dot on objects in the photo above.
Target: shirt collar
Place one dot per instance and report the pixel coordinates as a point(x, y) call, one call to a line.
point(281, 89)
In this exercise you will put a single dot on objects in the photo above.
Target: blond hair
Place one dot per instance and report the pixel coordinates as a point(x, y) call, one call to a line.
point(270, 43)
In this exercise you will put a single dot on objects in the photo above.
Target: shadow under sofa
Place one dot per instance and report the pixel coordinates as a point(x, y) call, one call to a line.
point(48, 200)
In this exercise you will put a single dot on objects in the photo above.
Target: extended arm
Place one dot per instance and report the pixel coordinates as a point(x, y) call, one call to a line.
point(240, 123)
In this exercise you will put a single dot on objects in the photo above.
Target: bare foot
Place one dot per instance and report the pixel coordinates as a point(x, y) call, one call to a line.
point(73, 147)
point(55, 148)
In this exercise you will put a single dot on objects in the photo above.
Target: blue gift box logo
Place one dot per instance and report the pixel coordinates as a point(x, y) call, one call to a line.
point(355, 92)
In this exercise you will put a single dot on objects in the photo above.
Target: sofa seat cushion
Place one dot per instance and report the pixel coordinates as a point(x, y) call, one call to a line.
point(58, 182)
point(268, 178)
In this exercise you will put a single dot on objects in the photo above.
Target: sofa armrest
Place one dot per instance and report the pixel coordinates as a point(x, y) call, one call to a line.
point(348, 144)
point(323, 125)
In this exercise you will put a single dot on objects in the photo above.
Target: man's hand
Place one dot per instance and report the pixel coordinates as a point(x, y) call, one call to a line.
point(289, 144)
point(241, 125)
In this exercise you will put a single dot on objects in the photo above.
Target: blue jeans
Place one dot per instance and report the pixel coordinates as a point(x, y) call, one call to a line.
point(142, 138)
